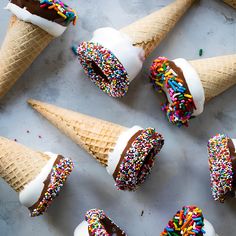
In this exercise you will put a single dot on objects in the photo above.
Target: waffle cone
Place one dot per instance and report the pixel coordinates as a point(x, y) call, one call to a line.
point(149, 31)
point(97, 137)
point(18, 164)
point(22, 44)
point(232, 3)
point(217, 74)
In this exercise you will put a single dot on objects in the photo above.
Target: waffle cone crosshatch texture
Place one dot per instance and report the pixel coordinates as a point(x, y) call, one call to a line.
point(117, 118)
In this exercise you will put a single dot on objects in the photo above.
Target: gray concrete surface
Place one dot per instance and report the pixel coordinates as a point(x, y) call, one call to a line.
point(181, 174)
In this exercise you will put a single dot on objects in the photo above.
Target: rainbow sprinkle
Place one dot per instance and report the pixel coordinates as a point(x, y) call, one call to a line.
point(61, 8)
point(221, 169)
point(116, 82)
point(96, 228)
point(188, 221)
point(135, 167)
point(179, 111)
point(58, 176)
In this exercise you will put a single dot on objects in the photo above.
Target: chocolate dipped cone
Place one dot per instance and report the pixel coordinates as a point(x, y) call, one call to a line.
point(97, 137)
point(149, 31)
point(33, 25)
point(127, 153)
point(217, 74)
point(232, 3)
point(18, 164)
point(188, 85)
point(22, 44)
point(98, 223)
point(37, 177)
point(112, 59)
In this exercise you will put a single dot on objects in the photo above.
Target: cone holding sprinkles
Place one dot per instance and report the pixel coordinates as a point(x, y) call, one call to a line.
point(112, 58)
point(188, 85)
point(33, 26)
point(232, 3)
point(98, 224)
point(189, 221)
point(222, 163)
point(127, 153)
point(37, 177)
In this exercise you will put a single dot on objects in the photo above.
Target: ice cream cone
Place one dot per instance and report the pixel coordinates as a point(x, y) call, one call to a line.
point(189, 84)
point(149, 31)
point(96, 136)
point(232, 3)
point(112, 59)
point(127, 153)
point(98, 223)
point(37, 177)
point(189, 221)
point(217, 74)
point(33, 25)
point(22, 44)
point(18, 164)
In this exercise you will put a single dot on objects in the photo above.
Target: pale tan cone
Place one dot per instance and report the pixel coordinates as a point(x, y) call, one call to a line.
point(22, 44)
point(232, 3)
point(97, 137)
point(149, 31)
point(217, 74)
point(18, 164)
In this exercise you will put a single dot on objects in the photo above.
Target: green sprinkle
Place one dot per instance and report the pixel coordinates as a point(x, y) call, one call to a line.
point(200, 52)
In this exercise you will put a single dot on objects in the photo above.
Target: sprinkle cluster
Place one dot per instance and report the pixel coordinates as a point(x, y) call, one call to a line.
point(116, 82)
point(93, 218)
point(58, 176)
point(221, 169)
point(180, 109)
point(61, 8)
point(188, 221)
point(139, 160)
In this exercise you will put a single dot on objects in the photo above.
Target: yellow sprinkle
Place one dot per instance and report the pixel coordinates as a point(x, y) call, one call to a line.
point(158, 83)
point(168, 73)
point(188, 95)
point(62, 15)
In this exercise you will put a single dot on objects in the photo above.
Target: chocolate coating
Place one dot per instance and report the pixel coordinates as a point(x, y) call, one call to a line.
point(33, 6)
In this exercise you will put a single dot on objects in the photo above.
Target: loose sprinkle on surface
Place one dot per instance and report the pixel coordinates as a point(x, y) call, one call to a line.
point(200, 52)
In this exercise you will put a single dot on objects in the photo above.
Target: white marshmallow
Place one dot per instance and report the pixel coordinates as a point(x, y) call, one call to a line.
point(120, 45)
point(114, 157)
point(51, 27)
point(194, 84)
point(210, 231)
point(32, 191)
point(82, 229)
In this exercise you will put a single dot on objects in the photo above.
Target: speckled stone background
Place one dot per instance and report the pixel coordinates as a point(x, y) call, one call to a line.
point(181, 174)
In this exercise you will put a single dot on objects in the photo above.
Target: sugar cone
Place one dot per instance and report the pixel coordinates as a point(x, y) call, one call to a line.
point(97, 137)
point(149, 31)
point(232, 3)
point(18, 164)
point(217, 74)
point(22, 44)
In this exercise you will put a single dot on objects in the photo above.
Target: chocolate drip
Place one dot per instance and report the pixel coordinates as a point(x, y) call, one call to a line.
point(180, 74)
point(111, 228)
point(46, 184)
point(124, 152)
point(33, 6)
